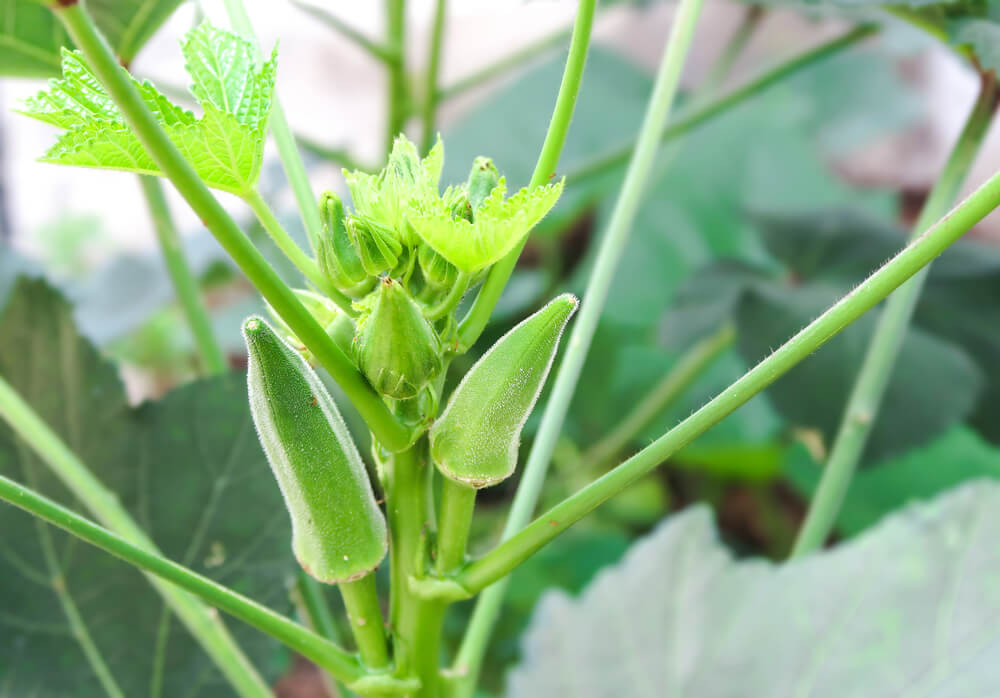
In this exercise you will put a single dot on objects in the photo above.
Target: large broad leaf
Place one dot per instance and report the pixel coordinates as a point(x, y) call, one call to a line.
point(225, 145)
point(31, 38)
point(189, 469)
point(956, 456)
point(909, 608)
point(934, 383)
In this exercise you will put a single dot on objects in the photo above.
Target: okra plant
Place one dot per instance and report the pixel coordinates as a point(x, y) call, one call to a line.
point(399, 281)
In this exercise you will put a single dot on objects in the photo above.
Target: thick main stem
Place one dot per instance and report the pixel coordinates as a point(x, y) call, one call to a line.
point(416, 623)
point(104, 505)
point(612, 246)
point(185, 284)
point(877, 368)
point(81, 29)
point(548, 159)
point(919, 253)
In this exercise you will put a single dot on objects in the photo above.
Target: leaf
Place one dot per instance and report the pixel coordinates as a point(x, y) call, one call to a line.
point(225, 146)
point(909, 608)
point(955, 457)
point(959, 304)
point(497, 227)
point(934, 385)
point(31, 38)
point(190, 471)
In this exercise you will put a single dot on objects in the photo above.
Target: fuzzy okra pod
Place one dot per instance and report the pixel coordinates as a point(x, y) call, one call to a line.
point(395, 346)
point(339, 533)
point(476, 438)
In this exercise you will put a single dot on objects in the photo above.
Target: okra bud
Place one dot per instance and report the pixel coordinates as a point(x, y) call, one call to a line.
point(338, 532)
point(376, 245)
point(395, 346)
point(483, 179)
point(336, 256)
point(475, 440)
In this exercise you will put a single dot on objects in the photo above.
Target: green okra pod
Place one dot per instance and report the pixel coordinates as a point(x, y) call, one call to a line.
point(476, 438)
point(339, 533)
point(395, 346)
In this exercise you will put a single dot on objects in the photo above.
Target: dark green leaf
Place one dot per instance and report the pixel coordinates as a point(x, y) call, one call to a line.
point(954, 457)
point(935, 383)
point(31, 38)
point(189, 468)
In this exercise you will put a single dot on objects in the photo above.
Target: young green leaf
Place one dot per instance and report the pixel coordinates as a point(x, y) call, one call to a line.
point(225, 146)
point(384, 198)
point(497, 225)
point(475, 441)
point(396, 348)
point(338, 531)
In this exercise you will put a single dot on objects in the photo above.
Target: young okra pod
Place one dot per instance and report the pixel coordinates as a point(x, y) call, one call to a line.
point(338, 532)
point(395, 346)
point(475, 440)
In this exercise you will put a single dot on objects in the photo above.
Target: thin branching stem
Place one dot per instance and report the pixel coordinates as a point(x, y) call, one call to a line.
point(213, 360)
point(887, 341)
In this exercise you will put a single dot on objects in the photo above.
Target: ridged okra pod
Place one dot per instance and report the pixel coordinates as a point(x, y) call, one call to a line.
point(338, 531)
point(475, 440)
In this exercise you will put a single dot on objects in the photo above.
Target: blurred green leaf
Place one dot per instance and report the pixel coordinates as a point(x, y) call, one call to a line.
point(954, 457)
point(31, 38)
point(908, 608)
point(934, 385)
point(189, 469)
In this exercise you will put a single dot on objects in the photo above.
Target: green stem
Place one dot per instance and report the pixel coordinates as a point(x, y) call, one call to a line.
point(338, 156)
point(105, 506)
point(700, 114)
point(612, 245)
point(869, 388)
point(365, 615)
point(398, 88)
point(311, 604)
point(433, 70)
point(291, 160)
point(186, 286)
point(676, 381)
point(81, 29)
point(505, 65)
point(387, 54)
point(548, 159)
point(304, 641)
point(737, 42)
point(303, 262)
point(454, 297)
point(919, 253)
point(78, 627)
point(416, 623)
point(458, 502)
